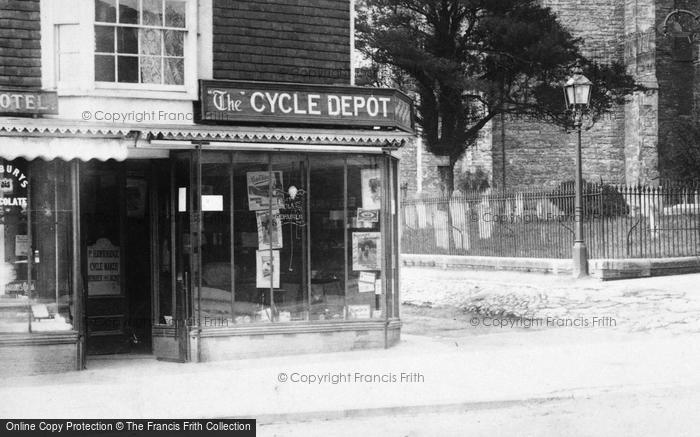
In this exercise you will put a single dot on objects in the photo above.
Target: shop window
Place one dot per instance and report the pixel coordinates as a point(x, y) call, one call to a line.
point(365, 240)
point(283, 237)
point(140, 41)
point(216, 255)
point(327, 241)
point(35, 246)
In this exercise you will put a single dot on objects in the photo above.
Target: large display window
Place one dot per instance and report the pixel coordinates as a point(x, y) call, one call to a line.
point(279, 237)
point(36, 213)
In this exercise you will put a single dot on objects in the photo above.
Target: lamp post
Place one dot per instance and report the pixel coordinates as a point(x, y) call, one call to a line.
point(577, 91)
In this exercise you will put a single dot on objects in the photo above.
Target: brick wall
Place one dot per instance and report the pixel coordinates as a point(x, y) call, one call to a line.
point(306, 41)
point(20, 44)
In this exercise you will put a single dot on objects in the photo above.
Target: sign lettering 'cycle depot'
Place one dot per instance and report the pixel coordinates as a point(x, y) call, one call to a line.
point(238, 101)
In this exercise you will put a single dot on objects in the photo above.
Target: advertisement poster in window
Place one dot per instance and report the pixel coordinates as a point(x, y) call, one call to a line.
point(268, 268)
point(366, 250)
point(103, 269)
point(259, 197)
point(269, 227)
point(371, 188)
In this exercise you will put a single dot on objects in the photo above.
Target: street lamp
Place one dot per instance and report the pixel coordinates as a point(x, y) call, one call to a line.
point(577, 91)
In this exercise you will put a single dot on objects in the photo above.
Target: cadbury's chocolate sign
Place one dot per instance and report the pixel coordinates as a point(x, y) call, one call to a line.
point(237, 101)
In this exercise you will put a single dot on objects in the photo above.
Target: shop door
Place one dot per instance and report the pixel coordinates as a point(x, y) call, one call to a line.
point(115, 234)
point(102, 238)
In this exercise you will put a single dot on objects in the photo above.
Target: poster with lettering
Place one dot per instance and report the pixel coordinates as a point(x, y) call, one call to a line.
point(259, 190)
point(103, 269)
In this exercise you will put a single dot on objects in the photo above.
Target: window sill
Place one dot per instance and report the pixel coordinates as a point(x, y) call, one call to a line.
point(129, 93)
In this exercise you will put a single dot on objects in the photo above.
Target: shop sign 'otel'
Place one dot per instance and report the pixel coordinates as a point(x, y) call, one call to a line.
point(28, 102)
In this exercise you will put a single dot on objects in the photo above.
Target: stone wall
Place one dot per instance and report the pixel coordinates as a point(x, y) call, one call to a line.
point(282, 40)
point(642, 111)
point(540, 154)
point(20, 44)
point(678, 89)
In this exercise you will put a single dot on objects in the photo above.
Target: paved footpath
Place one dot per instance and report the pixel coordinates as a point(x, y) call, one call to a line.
point(502, 367)
point(490, 369)
point(645, 304)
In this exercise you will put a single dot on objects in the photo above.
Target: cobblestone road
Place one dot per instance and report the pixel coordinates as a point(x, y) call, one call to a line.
point(671, 303)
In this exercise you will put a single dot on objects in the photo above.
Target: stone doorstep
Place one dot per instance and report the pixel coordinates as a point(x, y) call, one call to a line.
point(603, 269)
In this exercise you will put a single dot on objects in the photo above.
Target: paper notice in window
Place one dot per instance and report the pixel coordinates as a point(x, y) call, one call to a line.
point(378, 286)
point(367, 277)
point(212, 203)
point(21, 245)
point(365, 282)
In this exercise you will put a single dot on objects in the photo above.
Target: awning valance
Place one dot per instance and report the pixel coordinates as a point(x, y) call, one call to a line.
point(203, 133)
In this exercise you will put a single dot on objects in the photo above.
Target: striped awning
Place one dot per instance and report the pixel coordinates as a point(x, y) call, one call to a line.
point(66, 149)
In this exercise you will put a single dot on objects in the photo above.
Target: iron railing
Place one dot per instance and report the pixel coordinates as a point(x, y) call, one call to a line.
point(619, 222)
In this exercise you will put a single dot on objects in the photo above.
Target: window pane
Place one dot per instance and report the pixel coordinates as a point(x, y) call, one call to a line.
point(252, 303)
point(287, 230)
point(127, 40)
point(364, 252)
point(51, 245)
point(104, 39)
point(35, 244)
point(216, 297)
point(15, 285)
point(152, 13)
point(105, 11)
point(127, 69)
point(174, 43)
point(129, 11)
point(151, 42)
point(151, 69)
point(327, 243)
point(104, 68)
point(174, 71)
point(175, 13)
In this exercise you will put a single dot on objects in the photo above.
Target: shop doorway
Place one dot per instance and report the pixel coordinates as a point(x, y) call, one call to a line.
point(116, 256)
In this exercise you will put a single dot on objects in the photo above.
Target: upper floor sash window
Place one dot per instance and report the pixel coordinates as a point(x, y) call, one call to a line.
point(140, 41)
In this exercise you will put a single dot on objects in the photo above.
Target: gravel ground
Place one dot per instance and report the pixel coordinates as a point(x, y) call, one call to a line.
point(671, 303)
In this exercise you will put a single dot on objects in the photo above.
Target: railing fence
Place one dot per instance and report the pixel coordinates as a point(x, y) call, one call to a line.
point(619, 222)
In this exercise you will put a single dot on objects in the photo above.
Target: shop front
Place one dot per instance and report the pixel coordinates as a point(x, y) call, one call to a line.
point(270, 227)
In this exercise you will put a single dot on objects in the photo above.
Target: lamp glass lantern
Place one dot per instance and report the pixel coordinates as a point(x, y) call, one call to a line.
point(577, 91)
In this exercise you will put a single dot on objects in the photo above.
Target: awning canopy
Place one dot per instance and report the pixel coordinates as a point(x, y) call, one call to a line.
point(48, 138)
point(66, 149)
